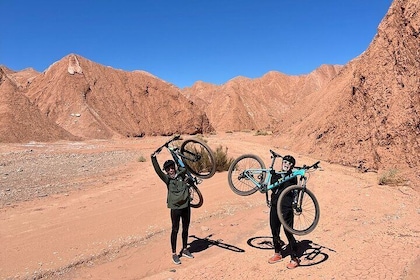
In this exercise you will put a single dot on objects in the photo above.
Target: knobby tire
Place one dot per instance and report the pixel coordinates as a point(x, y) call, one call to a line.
point(299, 223)
point(196, 197)
point(238, 182)
point(198, 158)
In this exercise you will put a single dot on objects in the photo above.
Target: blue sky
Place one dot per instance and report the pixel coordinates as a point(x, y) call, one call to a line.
point(184, 41)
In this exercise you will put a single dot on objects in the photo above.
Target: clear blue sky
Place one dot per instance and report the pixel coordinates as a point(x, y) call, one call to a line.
point(184, 41)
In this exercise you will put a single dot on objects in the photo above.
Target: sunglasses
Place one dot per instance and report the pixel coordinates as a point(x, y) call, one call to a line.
point(170, 167)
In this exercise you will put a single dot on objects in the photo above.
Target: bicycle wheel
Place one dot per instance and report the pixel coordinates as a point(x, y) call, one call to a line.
point(239, 182)
point(198, 158)
point(196, 197)
point(298, 210)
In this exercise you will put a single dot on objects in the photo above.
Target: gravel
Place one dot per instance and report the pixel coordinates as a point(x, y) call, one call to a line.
point(34, 171)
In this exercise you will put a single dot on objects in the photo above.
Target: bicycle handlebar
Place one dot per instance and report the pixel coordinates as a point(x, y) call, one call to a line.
point(176, 137)
point(314, 166)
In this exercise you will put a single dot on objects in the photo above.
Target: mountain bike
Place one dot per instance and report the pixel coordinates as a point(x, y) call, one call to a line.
point(248, 174)
point(195, 156)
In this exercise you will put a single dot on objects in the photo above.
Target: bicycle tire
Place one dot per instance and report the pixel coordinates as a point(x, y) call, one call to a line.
point(240, 184)
point(198, 158)
point(196, 197)
point(300, 222)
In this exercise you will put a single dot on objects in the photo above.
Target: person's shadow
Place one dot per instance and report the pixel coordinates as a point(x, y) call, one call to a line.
point(309, 252)
point(201, 244)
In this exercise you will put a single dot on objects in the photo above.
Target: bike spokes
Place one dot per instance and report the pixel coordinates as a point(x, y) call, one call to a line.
point(298, 210)
point(244, 173)
point(198, 158)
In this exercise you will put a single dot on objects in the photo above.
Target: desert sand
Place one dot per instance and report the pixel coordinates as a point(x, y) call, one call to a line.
point(115, 224)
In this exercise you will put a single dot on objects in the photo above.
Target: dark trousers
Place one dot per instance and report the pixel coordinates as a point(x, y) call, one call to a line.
point(275, 230)
point(178, 215)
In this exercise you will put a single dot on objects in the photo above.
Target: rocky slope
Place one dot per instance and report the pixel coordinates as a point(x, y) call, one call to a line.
point(369, 115)
point(94, 101)
point(259, 104)
point(20, 120)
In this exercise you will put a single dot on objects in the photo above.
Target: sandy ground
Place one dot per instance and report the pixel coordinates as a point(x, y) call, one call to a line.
point(113, 223)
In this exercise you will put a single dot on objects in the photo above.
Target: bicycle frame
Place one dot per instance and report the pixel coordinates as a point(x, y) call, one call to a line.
point(266, 185)
point(248, 174)
point(177, 157)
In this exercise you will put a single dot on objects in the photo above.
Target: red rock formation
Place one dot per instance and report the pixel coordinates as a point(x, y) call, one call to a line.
point(94, 101)
point(369, 115)
point(262, 103)
point(20, 120)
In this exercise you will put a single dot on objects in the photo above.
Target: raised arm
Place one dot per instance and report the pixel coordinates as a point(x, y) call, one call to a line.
point(159, 171)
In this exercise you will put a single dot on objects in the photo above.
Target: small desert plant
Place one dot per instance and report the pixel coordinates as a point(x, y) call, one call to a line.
point(201, 138)
point(261, 132)
point(391, 177)
point(220, 157)
point(141, 159)
point(222, 160)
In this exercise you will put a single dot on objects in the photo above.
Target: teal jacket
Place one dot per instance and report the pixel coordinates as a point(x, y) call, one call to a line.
point(178, 190)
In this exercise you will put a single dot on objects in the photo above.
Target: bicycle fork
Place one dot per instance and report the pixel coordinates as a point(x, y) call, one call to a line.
point(298, 196)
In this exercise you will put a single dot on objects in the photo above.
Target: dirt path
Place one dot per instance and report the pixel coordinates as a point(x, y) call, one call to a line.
point(118, 227)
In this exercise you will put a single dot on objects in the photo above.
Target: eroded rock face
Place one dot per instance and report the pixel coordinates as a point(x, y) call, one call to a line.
point(365, 114)
point(368, 116)
point(20, 121)
point(94, 101)
point(262, 103)
point(74, 65)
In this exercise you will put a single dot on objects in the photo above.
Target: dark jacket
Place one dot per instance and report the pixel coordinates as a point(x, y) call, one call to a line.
point(275, 194)
point(178, 191)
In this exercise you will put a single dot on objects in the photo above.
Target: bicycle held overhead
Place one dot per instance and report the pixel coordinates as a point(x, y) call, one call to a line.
point(197, 158)
point(191, 160)
point(248, 174)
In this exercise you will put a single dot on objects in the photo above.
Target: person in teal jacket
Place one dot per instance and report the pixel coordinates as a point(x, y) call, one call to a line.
point(178, 200)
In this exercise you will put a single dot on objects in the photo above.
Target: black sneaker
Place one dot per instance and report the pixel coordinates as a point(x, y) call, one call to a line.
point(175, 259)
point(187, 254)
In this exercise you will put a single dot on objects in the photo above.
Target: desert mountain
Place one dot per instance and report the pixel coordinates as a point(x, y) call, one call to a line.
point(364, 114)
point(259, 104)
point(369, 114)
point(20, 120)
point(94, 101)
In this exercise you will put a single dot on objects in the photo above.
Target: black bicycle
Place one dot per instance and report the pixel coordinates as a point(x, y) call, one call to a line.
point(199, 160)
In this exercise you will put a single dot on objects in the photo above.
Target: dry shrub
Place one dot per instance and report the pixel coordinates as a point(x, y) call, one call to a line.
point(222, 160)
point(391, 177)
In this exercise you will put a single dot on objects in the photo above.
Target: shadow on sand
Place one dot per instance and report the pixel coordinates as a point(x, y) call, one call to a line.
point(310, 253)
point(201, 244)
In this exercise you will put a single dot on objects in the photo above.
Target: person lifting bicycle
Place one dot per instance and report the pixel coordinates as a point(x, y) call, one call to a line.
point(287, 165)
point(178, 200)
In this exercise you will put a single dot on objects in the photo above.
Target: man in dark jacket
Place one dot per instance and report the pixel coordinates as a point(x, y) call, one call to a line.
point(178, 200)
point(287, 165)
